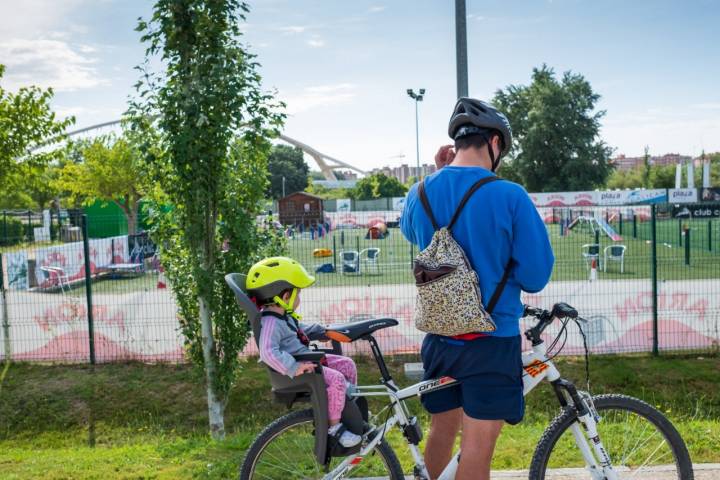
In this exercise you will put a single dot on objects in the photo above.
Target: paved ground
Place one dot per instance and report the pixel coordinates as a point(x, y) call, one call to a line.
point(705, 471)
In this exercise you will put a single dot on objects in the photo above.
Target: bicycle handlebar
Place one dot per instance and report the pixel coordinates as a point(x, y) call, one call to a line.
point(545, 318)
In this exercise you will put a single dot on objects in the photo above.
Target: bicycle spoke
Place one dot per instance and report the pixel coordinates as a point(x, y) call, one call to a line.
point(648, 460)
point(639, 446)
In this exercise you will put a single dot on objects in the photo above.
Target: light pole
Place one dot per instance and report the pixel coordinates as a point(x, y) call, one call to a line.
point(461, 48)
point(283, 185)
point(418, 97)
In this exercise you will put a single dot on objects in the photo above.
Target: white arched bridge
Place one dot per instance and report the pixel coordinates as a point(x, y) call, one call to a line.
point(326, 163)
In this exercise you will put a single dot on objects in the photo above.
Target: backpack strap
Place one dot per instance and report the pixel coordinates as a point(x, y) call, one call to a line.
point(473, 189)
point(499, 289)
point(426, 204)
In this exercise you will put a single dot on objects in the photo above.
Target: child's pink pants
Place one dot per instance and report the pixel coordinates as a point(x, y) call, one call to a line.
point(338, 370)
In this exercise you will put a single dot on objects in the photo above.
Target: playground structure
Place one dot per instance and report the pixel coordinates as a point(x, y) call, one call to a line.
point(593, 225)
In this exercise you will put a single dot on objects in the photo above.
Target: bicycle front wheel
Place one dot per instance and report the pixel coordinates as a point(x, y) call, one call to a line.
point(286, 450)
point(642, 444)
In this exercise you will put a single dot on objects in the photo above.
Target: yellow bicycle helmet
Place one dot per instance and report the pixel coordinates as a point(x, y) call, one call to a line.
point(268, 278)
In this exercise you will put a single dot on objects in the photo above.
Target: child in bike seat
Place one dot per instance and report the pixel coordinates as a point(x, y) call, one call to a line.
point(274, 284)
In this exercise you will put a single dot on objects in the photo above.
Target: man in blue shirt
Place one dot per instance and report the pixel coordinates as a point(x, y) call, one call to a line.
point(498, 226)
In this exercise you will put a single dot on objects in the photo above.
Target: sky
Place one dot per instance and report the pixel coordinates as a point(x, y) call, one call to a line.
point(343, 67)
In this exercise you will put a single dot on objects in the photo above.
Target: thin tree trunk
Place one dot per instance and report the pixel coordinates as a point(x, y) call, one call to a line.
point(216, 404)
point(131, 214)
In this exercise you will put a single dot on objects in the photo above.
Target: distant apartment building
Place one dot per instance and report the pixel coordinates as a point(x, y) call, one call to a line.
point(348, 174)
point(624, 163)
point(404, 172)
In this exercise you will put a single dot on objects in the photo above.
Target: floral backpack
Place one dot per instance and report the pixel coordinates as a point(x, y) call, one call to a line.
point(449, 301)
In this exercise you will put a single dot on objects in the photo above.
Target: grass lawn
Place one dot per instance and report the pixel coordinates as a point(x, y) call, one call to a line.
point(136, 421)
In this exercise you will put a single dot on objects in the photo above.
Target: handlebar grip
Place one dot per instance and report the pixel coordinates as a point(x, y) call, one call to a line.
point(563, 310)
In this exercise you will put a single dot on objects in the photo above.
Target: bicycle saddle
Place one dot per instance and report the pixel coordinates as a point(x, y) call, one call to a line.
point(349, 332)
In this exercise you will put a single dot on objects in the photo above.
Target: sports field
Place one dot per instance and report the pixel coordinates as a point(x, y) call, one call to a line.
point(396, 255)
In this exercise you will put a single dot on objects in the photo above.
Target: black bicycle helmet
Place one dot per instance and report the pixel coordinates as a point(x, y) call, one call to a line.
point(472, 117)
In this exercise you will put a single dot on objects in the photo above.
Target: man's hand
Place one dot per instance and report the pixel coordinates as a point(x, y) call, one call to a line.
point(444, 156)
point(305, 367)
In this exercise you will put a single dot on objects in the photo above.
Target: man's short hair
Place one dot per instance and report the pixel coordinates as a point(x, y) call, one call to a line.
point(475, 140)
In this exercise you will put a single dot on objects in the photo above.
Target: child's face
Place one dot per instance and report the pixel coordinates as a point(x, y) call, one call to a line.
point(296, 304)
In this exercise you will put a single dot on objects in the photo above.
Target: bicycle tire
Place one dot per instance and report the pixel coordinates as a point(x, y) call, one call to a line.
point(625, 403)
point(294, 419)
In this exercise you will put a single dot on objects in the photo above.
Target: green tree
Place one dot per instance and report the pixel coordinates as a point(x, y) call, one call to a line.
point(661, 176)
point(622, 179)
point(378, 185)
point(213, 123)
point(111, 170)
point(26, 123)
point(287, 162)
point(556, 145)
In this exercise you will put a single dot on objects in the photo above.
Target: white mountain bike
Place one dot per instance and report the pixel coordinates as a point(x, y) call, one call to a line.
point(605, 437)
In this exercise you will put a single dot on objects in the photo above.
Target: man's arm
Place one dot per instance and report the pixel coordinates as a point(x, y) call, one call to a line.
point(532, 253)
point(406, 226)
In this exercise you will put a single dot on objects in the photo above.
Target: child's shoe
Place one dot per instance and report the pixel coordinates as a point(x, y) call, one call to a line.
point(347, 439)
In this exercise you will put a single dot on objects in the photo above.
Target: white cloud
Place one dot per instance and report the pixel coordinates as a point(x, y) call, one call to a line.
point(707, 106)
point(293, 29)
point(377, 9)
point(49, 63)
point(316, 43)
point(320, 96)
point(30, 18)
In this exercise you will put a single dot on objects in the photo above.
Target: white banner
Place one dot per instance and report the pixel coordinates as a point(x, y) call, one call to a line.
point(564, 199)
point(682, 195)
point(66, 263)
point(627, 197)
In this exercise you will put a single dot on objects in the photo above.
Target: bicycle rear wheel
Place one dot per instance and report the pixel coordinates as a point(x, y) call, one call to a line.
point(641, 442)
point(285, 450)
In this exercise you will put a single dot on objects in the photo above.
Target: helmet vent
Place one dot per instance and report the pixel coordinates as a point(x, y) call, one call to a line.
point(273, 264)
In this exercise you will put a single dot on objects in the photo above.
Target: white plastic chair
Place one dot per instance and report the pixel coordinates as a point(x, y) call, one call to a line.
point(350, 261)
point(616, 254)
point(369, 259)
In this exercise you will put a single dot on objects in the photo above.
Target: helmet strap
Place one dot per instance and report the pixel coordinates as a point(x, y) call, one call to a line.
point(288, 306)
point(493, 161)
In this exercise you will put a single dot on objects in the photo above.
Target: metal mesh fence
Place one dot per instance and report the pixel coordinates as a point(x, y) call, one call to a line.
point(637, 295)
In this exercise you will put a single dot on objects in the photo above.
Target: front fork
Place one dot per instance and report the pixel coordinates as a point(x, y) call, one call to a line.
point(597, 459)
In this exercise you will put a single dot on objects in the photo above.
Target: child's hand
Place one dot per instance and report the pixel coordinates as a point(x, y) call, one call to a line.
point(305, 367)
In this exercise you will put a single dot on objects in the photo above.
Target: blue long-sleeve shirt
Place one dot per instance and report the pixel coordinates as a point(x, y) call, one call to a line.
point(499, 222)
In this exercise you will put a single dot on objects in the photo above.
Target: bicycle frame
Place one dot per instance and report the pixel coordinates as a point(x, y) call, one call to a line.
point(537, 368)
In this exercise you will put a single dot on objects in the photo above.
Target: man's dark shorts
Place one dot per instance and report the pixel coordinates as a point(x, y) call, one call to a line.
point(489, 370)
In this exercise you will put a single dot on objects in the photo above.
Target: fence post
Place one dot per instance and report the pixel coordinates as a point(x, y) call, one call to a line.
point(680, 235)
point(88, 288)
point(710, 235)
point(335, 254)
point(653, 268)
point(634, 225)
point(5, 227)
point(621, 222)
point(29, 230)
point(5, 316)
point(687, 246)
